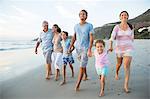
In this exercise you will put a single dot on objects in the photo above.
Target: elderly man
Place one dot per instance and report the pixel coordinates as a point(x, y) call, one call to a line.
point(46, 37)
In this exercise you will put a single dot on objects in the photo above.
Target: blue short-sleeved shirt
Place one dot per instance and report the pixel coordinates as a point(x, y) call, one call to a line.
point(46, 39)
point(83, 35)
point(65, 45)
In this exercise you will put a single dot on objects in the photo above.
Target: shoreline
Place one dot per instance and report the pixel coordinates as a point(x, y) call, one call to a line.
point(32, 84)
point(17, 62)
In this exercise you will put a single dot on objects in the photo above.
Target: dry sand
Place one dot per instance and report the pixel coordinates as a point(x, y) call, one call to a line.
point(32, 84)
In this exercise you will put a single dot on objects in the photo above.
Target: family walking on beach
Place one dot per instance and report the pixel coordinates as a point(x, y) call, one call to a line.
point(57, 50)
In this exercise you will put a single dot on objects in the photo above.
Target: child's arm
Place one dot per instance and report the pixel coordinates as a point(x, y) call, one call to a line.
point(72, 48)
point(70, 51)
point(72, 42)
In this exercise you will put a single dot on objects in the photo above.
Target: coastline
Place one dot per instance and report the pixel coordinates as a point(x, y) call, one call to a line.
point(31, 83)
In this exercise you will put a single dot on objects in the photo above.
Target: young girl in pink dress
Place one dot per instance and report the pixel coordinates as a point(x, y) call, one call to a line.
point(101, 63)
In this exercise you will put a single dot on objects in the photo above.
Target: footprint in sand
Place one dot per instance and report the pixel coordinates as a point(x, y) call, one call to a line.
point(118, 94)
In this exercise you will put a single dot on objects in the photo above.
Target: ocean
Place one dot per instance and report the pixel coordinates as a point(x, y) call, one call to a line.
point(18, 57)
point(16, 44)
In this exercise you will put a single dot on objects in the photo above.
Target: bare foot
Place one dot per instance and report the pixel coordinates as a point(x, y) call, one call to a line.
point(126, 90)
point(85, 78)
point(56, 78)
point(57, 75)
point(101, 93)
point(62, 83)
point(77, 89)
point(47, 78)
point(117, 77)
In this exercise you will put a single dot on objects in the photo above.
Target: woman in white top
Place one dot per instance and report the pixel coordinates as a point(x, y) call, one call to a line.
point(123, 33)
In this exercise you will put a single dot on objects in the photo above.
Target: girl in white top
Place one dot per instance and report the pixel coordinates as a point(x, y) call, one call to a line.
point(123, 33)
point(57, 54)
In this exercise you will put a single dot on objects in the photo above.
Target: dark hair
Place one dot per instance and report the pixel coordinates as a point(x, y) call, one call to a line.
point(124, 12)
point(84, 11)
point(100, 41)
point(65, 33)
point(131, 27)
point(58, 28)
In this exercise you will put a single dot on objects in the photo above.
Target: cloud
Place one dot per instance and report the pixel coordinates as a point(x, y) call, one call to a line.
point(64, 12)
point(25, 15)
point(2, 21)
point(18, 15)
point(16, 20)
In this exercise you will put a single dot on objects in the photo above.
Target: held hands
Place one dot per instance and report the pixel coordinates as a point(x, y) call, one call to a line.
point(69, 51)
point(89, 53)
point(110, 49)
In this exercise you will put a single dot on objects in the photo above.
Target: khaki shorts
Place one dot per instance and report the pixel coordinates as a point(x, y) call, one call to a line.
point(47, 56)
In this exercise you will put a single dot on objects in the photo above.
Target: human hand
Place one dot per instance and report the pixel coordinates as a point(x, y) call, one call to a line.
point(89, 53)
point(69, 51)
point(110, 49)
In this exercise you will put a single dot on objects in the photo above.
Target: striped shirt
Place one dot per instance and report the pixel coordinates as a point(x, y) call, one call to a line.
point(124, 39)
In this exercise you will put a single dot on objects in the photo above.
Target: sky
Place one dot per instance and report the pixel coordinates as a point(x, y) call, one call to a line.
point(22, 19)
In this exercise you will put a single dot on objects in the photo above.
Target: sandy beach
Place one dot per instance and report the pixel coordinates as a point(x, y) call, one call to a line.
point(22, 76)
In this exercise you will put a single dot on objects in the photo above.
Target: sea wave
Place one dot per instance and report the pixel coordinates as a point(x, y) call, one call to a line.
point(15, 45)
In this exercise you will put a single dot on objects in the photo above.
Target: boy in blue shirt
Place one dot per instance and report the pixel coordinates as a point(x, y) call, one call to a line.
point(67, 57)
